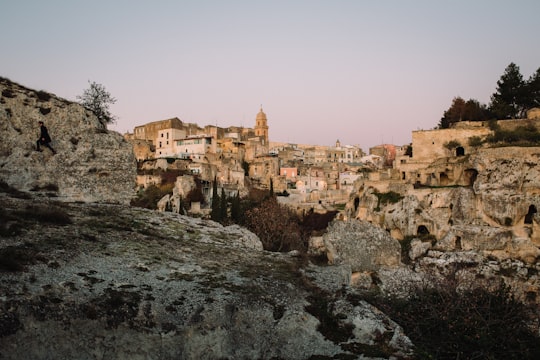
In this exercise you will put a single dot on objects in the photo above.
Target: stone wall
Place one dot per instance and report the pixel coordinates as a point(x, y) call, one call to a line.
point(429, 144)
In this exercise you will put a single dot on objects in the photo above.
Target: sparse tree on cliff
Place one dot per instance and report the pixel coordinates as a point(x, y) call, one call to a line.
point(97, 99)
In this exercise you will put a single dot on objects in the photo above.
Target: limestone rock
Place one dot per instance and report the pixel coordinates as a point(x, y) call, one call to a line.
point(92, 164)
point(361, 245)
point(485, 203)
point(116, 282)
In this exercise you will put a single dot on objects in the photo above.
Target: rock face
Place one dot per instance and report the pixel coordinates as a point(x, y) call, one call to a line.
point(108, 281)
point(493, 214)
point(363, 246)
point(92, 164)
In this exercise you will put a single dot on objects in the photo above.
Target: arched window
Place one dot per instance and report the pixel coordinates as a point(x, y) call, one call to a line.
point(460, 151)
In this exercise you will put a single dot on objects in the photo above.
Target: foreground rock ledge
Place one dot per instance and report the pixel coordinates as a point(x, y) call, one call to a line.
point(96, 281)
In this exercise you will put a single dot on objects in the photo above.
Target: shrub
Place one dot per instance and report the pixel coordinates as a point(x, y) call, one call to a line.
point(445, 322)
point(475, 141)
point(276, 225)
point(51, 214)
point(149, 197)
point(522, 135)
point(390, 197)
point(43, 95)
point(452, 144)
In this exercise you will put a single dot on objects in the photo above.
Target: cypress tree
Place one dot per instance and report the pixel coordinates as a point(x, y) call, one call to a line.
point(216, 213)
point(235, 208)
point(223, 206)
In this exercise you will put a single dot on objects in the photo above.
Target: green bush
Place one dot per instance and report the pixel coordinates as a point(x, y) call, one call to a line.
point(452, 144)
point(390, 197)
point(522, 135)
point(475, 141)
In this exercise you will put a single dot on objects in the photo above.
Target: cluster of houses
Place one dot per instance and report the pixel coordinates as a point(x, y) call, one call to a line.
point(305, 173)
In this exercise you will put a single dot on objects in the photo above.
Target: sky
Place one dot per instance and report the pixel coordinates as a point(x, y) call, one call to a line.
point(361, 72)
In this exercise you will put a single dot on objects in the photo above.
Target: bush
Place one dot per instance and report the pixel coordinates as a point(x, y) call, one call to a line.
point(445, 322)
point(45, 213)
point(452, 144)
point(475, 141)
point(43, 95)
point(276, 225)
point(390, 197)
point(522, 135)
point(149, 197)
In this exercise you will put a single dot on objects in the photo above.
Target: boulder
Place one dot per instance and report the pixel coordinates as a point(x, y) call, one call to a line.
point(361, 245)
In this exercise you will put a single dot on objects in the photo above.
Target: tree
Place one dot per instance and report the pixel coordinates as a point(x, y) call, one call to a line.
point(236, 209)
point(276, 225)
point(461, 110)
point(533, 90)
point(223, 206)
point(215, 214)
point(474, 111)
point(97, 99)
point(509, 101)
point(453, 114)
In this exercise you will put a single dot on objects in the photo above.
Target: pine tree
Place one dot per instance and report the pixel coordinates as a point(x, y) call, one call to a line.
point(509, 101)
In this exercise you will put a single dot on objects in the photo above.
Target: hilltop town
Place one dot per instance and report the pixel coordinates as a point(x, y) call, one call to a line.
point(311, 176)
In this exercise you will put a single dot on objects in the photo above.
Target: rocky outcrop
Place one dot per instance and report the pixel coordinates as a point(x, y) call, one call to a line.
point(490, 210)
point(92, 164)
point(363, 246)
point(108, 281)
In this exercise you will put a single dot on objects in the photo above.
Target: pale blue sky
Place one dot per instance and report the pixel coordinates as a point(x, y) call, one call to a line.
point(363, 72)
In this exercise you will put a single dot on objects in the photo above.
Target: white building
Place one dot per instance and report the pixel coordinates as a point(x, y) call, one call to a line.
point(194, 147)
point(165, 143)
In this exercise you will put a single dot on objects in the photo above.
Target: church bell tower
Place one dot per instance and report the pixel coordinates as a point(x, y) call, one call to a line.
point(261, 127)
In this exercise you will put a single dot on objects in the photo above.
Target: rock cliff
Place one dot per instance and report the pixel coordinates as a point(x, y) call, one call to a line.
point(92, 164)
point(486, 217)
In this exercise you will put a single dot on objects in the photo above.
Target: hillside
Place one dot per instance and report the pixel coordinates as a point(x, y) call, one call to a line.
point(97, 281)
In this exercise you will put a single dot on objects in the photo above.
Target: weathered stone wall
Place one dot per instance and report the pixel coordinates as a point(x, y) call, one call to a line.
point(92, 164)
point(428, 145)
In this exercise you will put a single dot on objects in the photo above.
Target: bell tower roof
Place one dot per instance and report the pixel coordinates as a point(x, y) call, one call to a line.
point(261, 115)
